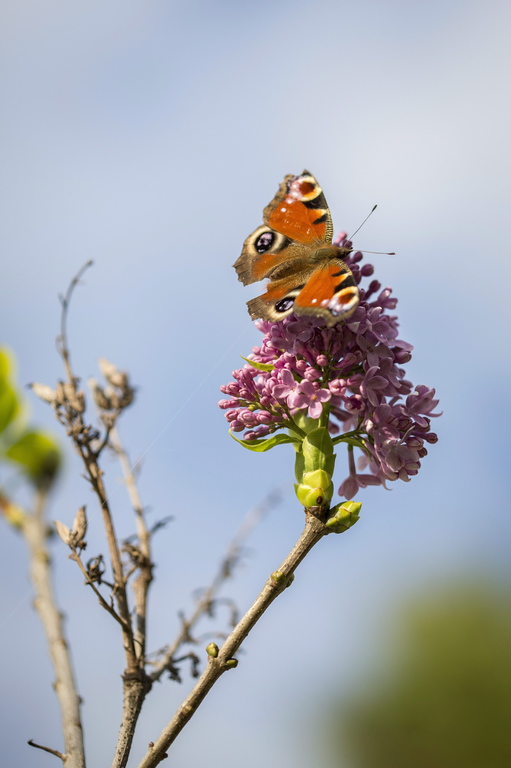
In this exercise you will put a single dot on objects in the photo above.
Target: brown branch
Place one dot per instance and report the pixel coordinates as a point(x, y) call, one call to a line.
point(229, 561)
point(69, 406)
point(35, 531)
point(80, 434)
point(47, 749)
point(137, 687)
point(145, 567)
point(220, 660)
point(76, 557)
point(65, 301)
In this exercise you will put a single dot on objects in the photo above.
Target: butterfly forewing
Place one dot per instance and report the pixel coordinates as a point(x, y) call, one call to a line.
point(299, 210)
point(297, 216)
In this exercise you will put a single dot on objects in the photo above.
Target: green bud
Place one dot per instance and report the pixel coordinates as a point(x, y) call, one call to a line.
point(278, 576)
point(212, 650)
point(13, 514)
point(344, 516)
point(231, 663)
point(315, 490)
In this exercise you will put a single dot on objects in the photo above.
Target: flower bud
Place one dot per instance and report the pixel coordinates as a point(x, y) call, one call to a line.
point(112, 374)
point(44, 392)
point(63, 531)
point(79, 527)
point(100, 398)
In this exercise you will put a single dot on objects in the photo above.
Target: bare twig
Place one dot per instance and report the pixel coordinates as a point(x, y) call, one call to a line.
point(69, 406)
point(132, 703)
point(227, 565)
point(76, 557)
point(144, 565)
point(47, 749)
point(65, 301)
point(221, 659)
point(35, 532)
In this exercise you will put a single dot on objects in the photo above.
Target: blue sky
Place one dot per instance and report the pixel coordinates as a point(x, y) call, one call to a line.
point(149, 137)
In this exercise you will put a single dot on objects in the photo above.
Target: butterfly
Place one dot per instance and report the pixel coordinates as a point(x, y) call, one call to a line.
point(293, 248)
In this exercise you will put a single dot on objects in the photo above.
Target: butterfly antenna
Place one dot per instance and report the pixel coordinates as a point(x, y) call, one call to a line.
point(382, 253)
point(360, 227)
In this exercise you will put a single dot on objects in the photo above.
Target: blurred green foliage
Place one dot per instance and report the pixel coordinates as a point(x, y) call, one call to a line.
point(35, 452)
point(443, 694)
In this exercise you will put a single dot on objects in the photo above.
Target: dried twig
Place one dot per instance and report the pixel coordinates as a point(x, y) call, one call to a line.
point(69, 406)
point(47, 749)
point(143, 564)
point(140, 585)
point(76, 557)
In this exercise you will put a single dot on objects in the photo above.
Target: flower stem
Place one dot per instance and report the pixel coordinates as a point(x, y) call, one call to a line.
point(278, 581)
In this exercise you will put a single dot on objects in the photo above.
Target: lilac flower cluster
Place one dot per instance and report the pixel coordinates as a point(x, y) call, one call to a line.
point(349, 376)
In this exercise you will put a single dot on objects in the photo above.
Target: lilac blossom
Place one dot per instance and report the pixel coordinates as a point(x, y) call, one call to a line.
point(348, 377)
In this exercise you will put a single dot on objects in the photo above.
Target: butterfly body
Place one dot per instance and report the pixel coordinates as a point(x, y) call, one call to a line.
point(293, 249)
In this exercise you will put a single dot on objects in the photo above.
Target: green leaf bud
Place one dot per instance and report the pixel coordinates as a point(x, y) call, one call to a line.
point(283, 578)
point(12, 513)
point(344, 516)
point(212, 650)
point(315, 490)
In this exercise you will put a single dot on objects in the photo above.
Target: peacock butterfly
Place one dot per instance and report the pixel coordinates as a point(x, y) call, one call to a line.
point(293, 248)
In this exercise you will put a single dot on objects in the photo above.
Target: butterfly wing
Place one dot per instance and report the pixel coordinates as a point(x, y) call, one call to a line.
point(329, 291)
point(296, 219)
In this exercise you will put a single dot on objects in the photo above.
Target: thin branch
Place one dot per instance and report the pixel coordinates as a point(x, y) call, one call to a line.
point(47, 749)
point(145, 566)
point(133, 699)
point(35, 532)
point(69, 409)
point(220, 660)
point(228, 563)
point(80, 435)
point(76, 557)
point(65, 301)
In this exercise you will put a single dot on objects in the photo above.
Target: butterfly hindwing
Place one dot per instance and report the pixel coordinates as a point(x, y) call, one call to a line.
point(328, 291)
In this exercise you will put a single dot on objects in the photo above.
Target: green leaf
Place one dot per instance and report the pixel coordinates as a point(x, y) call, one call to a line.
point(6, 365)
point(264, 444)
point(10, 404)
point(353, 441)
point(39, 456)
point(259, 366)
